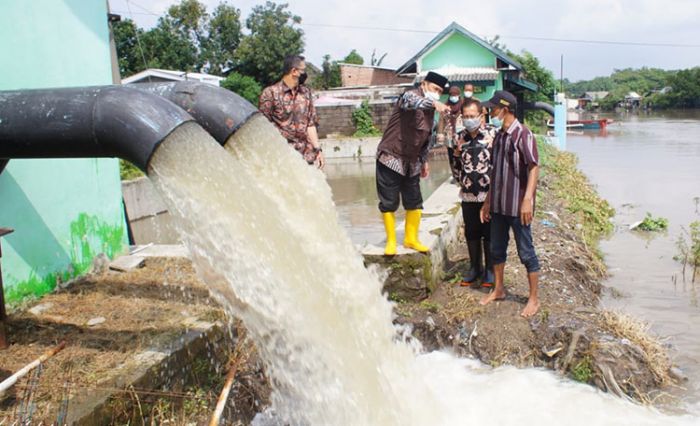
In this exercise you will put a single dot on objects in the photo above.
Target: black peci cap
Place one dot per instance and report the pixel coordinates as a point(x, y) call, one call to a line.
point(438, 79)
point(501, 98)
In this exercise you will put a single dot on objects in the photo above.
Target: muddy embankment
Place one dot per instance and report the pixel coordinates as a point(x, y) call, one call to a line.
point(571, 334)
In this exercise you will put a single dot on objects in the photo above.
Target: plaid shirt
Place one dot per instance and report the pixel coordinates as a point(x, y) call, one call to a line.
point(514, 151)
point(293, 112)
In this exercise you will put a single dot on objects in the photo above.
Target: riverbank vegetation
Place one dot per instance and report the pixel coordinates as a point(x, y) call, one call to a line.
point(658, 88)
point(688, 245)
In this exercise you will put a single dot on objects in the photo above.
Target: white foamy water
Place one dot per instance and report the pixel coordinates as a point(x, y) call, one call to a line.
point(263, 233)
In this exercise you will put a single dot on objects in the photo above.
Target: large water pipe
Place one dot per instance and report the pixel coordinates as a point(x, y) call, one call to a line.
point(543, 106)
point(219, 111)
point(104, 121)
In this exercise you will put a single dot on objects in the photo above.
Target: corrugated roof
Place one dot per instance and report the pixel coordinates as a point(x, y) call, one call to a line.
point(456, 28)
point(462, 74)
point(173, 75)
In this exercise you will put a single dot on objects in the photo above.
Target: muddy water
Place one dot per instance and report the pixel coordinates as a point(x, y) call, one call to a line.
point(282, 263)
point(651, 163)
point(355, 195)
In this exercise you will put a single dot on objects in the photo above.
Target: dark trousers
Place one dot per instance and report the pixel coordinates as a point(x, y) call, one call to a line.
point(473, 228)
point(500, 226)
point(391, 185)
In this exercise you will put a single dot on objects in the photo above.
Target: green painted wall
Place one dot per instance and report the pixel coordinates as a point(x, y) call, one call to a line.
point(461, 51)
point(64, 212)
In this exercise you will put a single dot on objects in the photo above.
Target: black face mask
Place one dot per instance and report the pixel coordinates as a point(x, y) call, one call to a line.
point(302, 77)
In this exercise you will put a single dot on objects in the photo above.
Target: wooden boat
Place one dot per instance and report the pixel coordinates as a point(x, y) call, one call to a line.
point(584, 124)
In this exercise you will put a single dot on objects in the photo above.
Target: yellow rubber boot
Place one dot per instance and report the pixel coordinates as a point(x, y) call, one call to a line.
point(390, 228)
point(411, 237)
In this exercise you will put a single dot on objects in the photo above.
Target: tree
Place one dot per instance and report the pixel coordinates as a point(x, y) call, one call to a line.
point(224, 38)
point(353, 58)
point(165, 48)
point(377, 62)
point(244, 86)
point(273, 36)
point(189, 21)
point(330, 75)
point(126, 42)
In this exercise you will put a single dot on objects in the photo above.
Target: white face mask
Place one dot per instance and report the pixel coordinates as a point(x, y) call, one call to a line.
point(472, 124)
point(468, 94)
point(454, 99)
point(432, 95)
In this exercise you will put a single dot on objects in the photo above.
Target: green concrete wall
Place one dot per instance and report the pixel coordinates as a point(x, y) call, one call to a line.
point(64, 212)
point(461, 51)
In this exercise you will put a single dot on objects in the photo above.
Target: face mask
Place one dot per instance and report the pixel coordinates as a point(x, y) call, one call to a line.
point(496, 121)
point(471, 124)
point(454, 99)
point(432, 95)
point(302, 77)
point(468, 94)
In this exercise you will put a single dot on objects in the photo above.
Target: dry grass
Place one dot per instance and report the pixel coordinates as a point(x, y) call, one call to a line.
point(637, 332)
point(461, 306)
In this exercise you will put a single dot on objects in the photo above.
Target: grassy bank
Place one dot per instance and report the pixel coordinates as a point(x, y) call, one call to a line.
point(572, 187)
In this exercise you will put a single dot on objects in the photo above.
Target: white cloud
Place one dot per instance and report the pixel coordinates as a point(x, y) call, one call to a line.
point(656, 21)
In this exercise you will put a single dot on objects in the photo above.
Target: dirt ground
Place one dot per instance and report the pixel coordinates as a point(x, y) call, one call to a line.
point(145, 309)
point(570, 334)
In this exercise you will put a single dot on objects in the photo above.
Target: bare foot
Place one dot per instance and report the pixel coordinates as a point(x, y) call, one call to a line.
point(531, 308)
point(493, 296)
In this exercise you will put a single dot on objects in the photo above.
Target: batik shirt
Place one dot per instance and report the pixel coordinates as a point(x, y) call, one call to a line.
point(409, 100)
point(471, 165)
point(293, 112)
point(514, 152)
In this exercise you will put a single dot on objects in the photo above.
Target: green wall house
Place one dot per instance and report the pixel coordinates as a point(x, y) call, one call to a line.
point(463, 58)
point(64, 212)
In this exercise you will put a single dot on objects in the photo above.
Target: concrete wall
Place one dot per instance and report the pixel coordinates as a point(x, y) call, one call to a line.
point(337, 119)
point(64, 212)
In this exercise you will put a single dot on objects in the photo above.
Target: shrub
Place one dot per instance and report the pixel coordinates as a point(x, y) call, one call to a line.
point(362, 118)
point(653, 224)
point(244, 86)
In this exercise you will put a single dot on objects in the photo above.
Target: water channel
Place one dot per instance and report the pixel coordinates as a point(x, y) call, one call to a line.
point(650, 162)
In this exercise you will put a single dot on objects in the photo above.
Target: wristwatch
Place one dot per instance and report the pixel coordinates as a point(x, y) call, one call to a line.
point(318, 149)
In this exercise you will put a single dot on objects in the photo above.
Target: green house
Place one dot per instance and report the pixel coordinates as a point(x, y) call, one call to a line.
point(463, 58)
point(63, 211)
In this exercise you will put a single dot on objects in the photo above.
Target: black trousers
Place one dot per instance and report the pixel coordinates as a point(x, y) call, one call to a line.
point(473, 228)
point(391, 184)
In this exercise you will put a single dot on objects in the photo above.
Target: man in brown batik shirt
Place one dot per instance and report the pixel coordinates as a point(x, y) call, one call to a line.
point(289, 105)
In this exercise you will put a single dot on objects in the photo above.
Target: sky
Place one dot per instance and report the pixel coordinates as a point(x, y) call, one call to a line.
point(402, 28)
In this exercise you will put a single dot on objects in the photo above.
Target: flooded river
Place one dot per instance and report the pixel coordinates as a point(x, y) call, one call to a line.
point(651, 163)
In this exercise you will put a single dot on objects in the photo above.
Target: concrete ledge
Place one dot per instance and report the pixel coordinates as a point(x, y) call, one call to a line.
point(412, 275)
point(151, 369)
point(350, 147)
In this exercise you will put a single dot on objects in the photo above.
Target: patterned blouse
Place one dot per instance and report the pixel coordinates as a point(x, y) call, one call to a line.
point(409, 100)
point(293, 112)
point(471, 166)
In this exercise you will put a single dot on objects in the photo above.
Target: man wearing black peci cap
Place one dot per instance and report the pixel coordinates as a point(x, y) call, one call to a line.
point(402, 158)
point(510, 202)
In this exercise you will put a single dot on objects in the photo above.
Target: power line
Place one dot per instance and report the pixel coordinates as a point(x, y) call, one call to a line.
point(515, 37)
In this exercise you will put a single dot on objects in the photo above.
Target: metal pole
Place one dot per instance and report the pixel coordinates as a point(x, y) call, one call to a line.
point(3, 314)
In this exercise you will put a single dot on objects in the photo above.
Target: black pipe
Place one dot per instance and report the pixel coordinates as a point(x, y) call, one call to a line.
point(544, 106)
point(219, 111)
point(105, 121)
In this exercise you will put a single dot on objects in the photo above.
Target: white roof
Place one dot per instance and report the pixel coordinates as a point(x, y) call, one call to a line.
point(172, 76)
point(453, 73)
point(633, 95)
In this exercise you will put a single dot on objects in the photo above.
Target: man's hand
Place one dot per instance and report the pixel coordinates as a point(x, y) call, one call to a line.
point(321, 160)
point(425, 170)
point(526, 211)
point(485, 213)
point(440, 107)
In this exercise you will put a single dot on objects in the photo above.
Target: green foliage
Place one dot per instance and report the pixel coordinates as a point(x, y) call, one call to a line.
point(353, 58)
point(653, 224)
point(362, 118)
point(186, 38)
point(430, 306)
point(273, 36)
point(689, 249)
point(583, 371)
point(572, 186)
point(330, 75)
point(685, 90)
point(128, 54)
point(128, 171)
point(244, 86)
